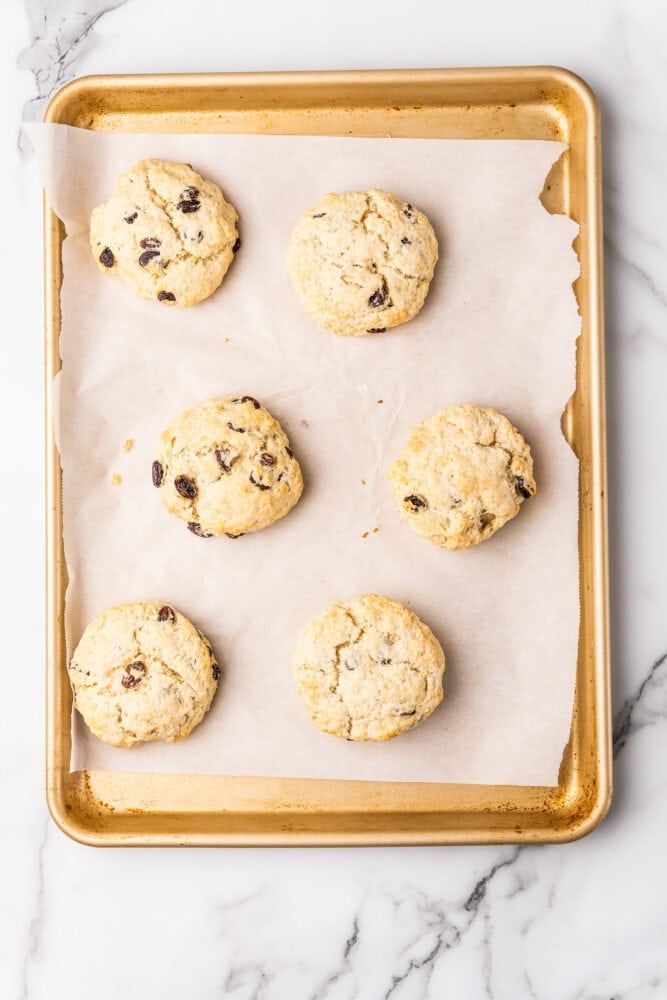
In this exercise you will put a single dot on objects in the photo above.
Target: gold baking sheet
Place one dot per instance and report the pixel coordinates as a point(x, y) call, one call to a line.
point(112, 808)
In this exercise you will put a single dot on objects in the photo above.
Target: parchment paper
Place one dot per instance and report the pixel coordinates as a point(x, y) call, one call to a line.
point(499, 329)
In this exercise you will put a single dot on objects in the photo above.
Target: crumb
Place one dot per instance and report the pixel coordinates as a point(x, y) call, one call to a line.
point(380, 400)
point(127, 446)
point(363, 482)
point(375, 530)
point(116, 479)
point(227, 339)
point(365, 534)
point(304, 423)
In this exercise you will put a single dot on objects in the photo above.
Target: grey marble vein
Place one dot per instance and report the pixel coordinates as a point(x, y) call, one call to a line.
point(61, 31)
point(644, 708)
point(636, 271)
point(34, 942)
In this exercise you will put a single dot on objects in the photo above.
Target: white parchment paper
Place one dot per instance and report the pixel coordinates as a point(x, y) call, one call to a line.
point(499, 329)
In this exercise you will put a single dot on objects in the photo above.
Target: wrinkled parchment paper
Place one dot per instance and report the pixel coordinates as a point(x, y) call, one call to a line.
point(498, 329)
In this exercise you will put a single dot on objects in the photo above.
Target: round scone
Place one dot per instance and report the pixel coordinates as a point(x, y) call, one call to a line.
point(167, 232)
point(463, 473)
point(226, 468)
point(368, 669)
point(362, 262)
point(143, 672)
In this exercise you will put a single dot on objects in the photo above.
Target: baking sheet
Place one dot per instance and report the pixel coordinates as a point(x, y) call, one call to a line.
point(498, 328)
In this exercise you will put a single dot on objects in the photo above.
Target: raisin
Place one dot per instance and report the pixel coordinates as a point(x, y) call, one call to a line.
point(237, 244)
point(385, 662)
point(417, 503)
point(130, 218)
point(486, 518)
point(413, 712)
point(239, 430)
point(248, 399)
point(196, 529)
point(133, 674)
point(266, 459)
point(150, 243)
point(319, 215)
point(289, 452)
point(188, 206)
point(520, 486)
point(147, 256)
point(223, 459)
point(166, 297)
point(185, 487)
point(261, 486)
point(407, 211)
point(230, 535)
point(158, 473)
point(106, 257)
point(189, 193)
point(378, 297)
point(377, 329)
point(215, 670)
point(196, 239)
point(405, 241)
point(166, 614)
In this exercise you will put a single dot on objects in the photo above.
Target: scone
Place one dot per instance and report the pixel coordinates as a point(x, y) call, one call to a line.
point(167, 232)
point(463, 474)
point(226, 468)
point(143, 672)
point(369, 669)
point(362, 262)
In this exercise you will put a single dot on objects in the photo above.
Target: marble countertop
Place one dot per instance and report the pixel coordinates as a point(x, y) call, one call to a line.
point(584, 921)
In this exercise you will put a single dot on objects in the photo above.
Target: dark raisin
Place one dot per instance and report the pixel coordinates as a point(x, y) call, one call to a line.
point(130, 218)
point(385, 662)
point(133, 674)
point(378, 297)
point(239, 430)
point(237, 244)
point(157, 473)
point(147, 256)
point(377, 329)
point(230, 535)
point(196, 529)
point(266, 459)
point(188, 206)
point(196, 239)
point(166, 297)
point(248, 399)
point(405, 241)
point(486, 518)
point(520, 486)
point(407, 211)
point(417, 503)
point(166, 614)
point(289, 452)
point(150, 243)
point(413, 712)
point(106, 257)
point(223, 459)
point(261, 486)
point(319, 215)
point(189, 193)
point(215, 670)
point(185, 487)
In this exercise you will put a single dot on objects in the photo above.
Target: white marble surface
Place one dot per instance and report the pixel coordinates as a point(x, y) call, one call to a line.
point(579, 922)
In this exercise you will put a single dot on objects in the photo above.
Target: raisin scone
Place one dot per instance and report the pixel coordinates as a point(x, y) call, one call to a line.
point(143, 672)
point(362, 262)
point(462, 475)
point(368, 669)
point(167, 232)
point(226, 468)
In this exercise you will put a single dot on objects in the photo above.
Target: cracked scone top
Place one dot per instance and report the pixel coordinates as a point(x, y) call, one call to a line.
point(226, 468)
point(143, 672)
point(362, 262)
point(368, 669)
point(462, 475)
point(167, 232)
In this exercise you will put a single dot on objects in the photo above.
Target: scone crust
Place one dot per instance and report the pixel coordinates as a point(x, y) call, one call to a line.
point(463, 474)
point(362, 262)
point(143, 672)
point(166, 231)
point(368, 669)
point(237, 458)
